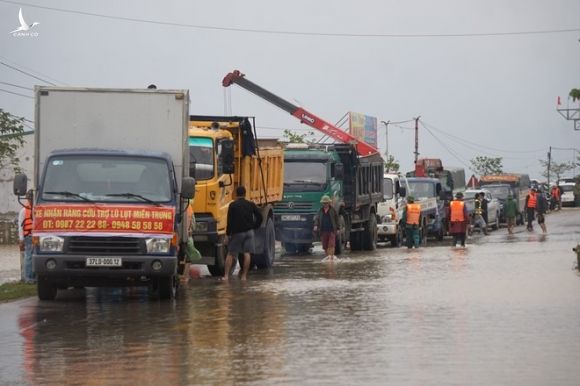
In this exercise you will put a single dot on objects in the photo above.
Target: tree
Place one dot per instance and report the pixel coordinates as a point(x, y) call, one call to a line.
point(575, 94)
point(11, 139)
point(391, 165)
point(556, 169)
point(294, 137)
point(484, 166)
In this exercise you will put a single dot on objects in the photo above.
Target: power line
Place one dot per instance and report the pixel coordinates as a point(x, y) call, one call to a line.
point(26, 73)
point(453, 153)
point(31, 70)
point(16, 93)
point(295, 33)
point(17, 86)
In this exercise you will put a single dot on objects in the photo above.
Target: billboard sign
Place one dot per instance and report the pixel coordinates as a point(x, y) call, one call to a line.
point(363, 127)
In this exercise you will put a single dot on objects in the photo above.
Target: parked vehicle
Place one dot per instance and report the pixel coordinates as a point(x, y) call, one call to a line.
point(225, 154)
point(493, 205)
point(567, 189)
point(429, 193)
point(361, 177)
point(390, 211)
point(109, 169)
point(500, 192)
point(520, 184)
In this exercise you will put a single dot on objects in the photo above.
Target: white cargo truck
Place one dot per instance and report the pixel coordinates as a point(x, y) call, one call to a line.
point(112, 185)
point(390, 211)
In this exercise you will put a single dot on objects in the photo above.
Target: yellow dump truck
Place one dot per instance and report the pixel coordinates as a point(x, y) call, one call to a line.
point(224, 153)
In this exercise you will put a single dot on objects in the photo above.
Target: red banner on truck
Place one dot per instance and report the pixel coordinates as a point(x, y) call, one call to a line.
point(116, 219)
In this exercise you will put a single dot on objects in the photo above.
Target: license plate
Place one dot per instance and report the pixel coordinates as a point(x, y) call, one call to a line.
point(104, 262)
point(291, 217)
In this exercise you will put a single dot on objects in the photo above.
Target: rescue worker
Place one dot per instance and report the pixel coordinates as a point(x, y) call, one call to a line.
point(555, 198)
point(25, 238)
point(412, 220)
point(531, 201)
point(459, 220)
point(541, 209)
point(478, 220)
point(511, 211)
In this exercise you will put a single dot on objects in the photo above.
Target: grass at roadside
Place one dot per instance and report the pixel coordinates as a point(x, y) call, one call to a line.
point(16, 290)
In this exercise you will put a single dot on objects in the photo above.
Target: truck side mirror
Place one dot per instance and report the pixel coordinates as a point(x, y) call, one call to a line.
point(188, 188)
point(338, 171)
point(402, 191)
point(227, 156)
point(438, 189)
point(20, 183)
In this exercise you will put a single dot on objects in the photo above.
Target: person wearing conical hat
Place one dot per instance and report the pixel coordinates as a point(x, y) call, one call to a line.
point(326, 223)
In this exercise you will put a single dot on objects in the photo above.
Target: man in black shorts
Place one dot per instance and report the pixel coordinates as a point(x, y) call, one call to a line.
point(541, 209)
point(243, 217)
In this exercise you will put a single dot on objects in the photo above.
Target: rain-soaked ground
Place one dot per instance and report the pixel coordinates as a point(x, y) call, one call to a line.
point(505, 311)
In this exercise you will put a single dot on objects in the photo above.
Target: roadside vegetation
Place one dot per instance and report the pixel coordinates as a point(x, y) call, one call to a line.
point(16, 290)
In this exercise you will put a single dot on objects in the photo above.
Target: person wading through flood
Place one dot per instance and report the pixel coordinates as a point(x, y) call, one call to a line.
point(243, 217)
point(412, 220)
point(511, 211)
point(541, 209)
point(531, 200)
point(327, 224)
point(25, 239)
point(478, 220)
point(459, 220)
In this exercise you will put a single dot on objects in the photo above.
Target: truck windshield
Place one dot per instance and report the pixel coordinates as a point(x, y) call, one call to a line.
point(304, 176)
point(107, 178)
point(201, 157)
point(388, 188)
point(500, 192)
point(421, 189)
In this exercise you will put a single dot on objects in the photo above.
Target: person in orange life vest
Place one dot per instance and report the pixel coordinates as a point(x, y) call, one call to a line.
point(531, 200)
point(459, 220)
point(25, 238)
point(412, 220)
point(555, 198)
point(327, 223)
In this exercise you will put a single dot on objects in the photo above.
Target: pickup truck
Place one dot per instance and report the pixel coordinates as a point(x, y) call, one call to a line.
point(493, 205)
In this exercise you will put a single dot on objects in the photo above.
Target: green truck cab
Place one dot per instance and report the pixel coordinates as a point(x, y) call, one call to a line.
point(354, 183)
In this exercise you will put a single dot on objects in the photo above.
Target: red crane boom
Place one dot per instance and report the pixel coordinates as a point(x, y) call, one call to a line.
point(303, 115)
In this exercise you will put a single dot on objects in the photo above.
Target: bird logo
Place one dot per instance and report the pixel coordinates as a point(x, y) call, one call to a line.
point(24, 26)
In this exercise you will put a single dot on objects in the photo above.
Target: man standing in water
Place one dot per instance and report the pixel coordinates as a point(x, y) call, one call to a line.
point(243, 217)
point(541, 209)
point(326, 222)
point(459, 220)
point(511, 211)
point(412, 220)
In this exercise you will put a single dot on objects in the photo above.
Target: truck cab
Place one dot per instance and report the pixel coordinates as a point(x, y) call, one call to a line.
point(390, 211)
point(428, 192)
point(309, 173)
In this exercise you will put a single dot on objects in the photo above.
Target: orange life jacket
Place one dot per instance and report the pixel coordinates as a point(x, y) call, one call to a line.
point(532, 200)
point(556, 193)
point(27, 222)
point(413, 214)
point(456, 207)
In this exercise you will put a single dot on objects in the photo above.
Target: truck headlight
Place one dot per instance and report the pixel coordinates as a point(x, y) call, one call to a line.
point(50, 244)
point(200, 226)
point(157, 245)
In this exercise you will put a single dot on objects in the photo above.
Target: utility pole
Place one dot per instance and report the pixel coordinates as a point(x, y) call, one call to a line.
point(386, 139)
point(417, 138)
point(549, 163)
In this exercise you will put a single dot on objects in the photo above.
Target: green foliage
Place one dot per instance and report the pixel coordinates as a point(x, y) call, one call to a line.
point(11, 139)
point(556, 169)
point(484, 166)
point(575, 94)
point(294, 137)
point(391, 165)
point(16, 290)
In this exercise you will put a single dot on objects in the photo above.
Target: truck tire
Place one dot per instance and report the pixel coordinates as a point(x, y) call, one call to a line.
point(397, 239)
point(45, 289)
point(167, 287)
point(496, 224)
point(266, 258)
point(220, 259)
point(370, 234)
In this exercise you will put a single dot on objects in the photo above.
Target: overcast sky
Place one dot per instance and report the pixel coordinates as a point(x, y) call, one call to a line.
point(484, 71)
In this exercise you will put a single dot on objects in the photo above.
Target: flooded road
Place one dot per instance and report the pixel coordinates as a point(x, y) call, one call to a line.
point(505, 311)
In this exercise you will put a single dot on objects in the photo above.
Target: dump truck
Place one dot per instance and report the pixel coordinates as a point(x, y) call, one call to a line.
point(112, 187)
point(224, 154)
point(353, 178)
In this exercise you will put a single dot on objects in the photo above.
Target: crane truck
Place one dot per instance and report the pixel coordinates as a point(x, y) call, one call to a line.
point(350, 172)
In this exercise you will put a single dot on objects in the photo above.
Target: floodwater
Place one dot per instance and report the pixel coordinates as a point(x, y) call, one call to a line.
point(505, 311)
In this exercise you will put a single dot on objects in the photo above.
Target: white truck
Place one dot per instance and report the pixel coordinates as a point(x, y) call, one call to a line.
point(390, 211)
point(111, 172)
